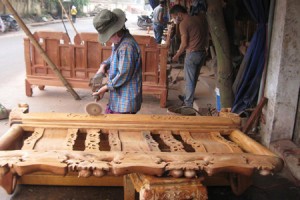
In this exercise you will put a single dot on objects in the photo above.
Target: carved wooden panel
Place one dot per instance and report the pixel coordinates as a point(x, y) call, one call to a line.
point(79, 62)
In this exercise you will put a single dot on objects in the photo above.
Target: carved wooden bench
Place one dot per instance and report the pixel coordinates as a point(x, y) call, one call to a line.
point(162, 155)
point(79, 62)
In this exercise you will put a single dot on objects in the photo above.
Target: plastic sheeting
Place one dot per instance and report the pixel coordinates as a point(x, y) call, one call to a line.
point(153, 3)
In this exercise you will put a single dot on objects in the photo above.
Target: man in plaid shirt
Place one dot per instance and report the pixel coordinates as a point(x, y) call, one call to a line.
point(125, 64)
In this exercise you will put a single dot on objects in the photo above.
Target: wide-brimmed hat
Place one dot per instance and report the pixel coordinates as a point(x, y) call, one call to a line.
point(108, 22)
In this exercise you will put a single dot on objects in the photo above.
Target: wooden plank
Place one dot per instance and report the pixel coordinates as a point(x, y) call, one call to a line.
point(71, 179)
point(52, 139)
point(117, 119)
point(30, 142)
point(70, 138)
point(152, 144)
point(215, 143)
point(137, 141)
point(114, 141)
point(92, 140)
point(254, 114)
point(197, 145)
point(169, 140)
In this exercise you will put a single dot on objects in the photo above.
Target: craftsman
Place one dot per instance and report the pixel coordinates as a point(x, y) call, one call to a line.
point(194, 40)
point(158, 21)
point(124, 65)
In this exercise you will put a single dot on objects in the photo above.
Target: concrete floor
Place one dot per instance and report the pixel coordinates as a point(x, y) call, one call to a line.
point(55, 99)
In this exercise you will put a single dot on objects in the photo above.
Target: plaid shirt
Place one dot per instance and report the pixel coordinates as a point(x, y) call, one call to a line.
point(125, 76)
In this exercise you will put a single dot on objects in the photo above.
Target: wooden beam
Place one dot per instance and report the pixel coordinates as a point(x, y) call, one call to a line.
point(255, 114)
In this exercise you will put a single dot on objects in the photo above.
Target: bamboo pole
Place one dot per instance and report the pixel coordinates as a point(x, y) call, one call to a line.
point(68, 16)
point(40, 49)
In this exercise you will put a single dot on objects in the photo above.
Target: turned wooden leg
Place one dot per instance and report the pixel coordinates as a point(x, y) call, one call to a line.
point(239, 183)
point(9, 182)
point(41, 87)
point(28, 88)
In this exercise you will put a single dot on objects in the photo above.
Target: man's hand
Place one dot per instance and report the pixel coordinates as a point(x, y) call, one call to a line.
point(100, 93)
point(102, 69)
point(96, 82)
point(175, 58)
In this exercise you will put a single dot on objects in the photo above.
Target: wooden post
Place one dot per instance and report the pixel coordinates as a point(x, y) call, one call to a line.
point(40, 49)
point(254, 115)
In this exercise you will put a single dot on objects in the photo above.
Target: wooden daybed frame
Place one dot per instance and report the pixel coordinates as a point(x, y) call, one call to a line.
point(158, 155)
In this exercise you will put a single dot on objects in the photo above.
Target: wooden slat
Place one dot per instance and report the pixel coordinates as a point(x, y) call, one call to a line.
point(114, 140)
point(234, 148)
point(30, 142)
point(214, 143)
point(152, 144)
point(197, 145)
point(71, 179)
point(170, 141)
point(70, 138)
point(52, 139)
point(92, 140)
point(133, 141)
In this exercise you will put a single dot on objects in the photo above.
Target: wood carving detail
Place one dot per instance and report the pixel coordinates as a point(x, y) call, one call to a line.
point(31, 141)
point(70, 138)
point(92, 140)
point(197, 145)
point(153, 145)
point(172, 192)
point(114, 140)
point(169, 140)
point(172, 148)
point(230, 145)
point(122, 163)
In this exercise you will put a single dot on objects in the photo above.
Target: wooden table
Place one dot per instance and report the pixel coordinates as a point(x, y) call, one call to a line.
point(159, 155)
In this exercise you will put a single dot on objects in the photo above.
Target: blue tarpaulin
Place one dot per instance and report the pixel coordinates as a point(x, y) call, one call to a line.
point(153, 3)
point(248, 87)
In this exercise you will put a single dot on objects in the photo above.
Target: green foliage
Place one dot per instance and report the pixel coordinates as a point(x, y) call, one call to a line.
point(77, 3)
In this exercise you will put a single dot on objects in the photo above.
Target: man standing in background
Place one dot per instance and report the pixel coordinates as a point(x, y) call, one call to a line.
point(73, 13)
point(158, 21)
point(194, 40)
